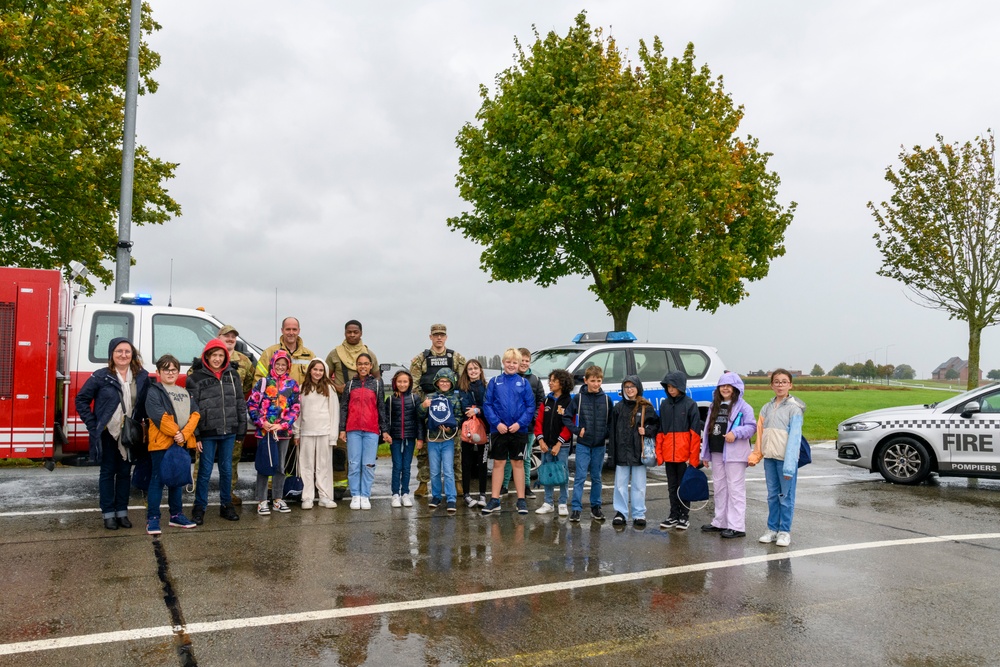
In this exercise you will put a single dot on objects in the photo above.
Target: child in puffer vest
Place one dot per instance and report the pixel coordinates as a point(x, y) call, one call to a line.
point(407, 430)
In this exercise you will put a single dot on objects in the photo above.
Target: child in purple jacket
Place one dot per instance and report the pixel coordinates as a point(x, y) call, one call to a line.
point(725, 447)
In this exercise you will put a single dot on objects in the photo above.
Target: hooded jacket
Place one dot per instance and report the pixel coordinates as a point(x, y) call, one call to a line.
point(509, 400)
point(275, 399)
point(403, 411)
point(739, 450)
point(625, 442)
point(163, 419)
point(442, 434)
point(679, 439)
point(362, 405)
point(318, 414)
point(103, 390)
point(297, 360)
point(781, 436)
point(218, 394)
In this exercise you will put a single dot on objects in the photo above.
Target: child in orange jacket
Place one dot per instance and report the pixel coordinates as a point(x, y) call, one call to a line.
point(678, 443)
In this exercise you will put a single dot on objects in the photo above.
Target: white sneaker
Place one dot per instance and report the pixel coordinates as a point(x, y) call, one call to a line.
point(482, 500)
point(395, 500)
point(263, 508)
point(406, 500)
point(784, 539)
point(546, 508)
point(365, 503)
point(355, 502)
point(329, 503)
point(307, 504)
point(281, 506)
point(768, 537)
point(563, 510)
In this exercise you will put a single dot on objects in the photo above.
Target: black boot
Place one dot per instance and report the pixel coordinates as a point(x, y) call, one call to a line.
point(228, 512)
point(124, 522)
point(111, 524)
point(198, 515)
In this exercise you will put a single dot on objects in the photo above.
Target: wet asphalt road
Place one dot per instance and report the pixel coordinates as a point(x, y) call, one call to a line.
point(342, 587)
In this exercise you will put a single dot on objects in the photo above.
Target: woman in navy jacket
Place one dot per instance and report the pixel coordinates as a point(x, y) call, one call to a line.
point(102, 403)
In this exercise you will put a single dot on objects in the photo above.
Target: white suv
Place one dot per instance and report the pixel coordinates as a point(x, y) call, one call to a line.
point(619, 354)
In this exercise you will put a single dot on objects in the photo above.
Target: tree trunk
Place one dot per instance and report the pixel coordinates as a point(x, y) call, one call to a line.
point(975, 333)
point(620, 316)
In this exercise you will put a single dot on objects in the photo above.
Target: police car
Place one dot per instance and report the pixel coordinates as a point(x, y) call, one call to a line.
point(959, 436)
point(619, 353)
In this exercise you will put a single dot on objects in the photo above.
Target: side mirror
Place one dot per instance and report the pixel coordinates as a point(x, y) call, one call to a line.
point(578, 379)
point(970, 408)
point(384, 368)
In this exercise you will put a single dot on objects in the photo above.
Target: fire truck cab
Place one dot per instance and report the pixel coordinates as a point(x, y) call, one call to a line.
point(49, 347)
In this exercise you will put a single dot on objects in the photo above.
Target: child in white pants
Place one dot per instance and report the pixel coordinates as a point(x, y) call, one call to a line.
point(316, 434)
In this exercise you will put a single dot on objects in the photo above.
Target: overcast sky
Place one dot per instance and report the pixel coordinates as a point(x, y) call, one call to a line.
point(317, 156)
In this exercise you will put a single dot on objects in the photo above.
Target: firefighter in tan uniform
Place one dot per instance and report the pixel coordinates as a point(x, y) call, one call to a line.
point(291, 343)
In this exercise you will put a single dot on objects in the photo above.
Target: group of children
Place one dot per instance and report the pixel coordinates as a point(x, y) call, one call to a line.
point(498, 421)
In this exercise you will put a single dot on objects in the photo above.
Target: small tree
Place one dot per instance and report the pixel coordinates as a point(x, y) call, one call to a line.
point(817, 371)
point(939, 233)
point(582, 164)
point(952, 374)
point(904, 372)
point(840, 370)
point(994, 374)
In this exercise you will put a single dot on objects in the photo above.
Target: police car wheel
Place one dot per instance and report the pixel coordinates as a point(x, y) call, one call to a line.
point(904, 461)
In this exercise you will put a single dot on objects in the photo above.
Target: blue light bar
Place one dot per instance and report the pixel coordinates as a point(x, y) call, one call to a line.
point(136, 299)
point(605, 337)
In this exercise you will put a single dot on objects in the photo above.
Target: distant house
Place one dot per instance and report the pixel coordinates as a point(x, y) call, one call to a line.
point(956, 364)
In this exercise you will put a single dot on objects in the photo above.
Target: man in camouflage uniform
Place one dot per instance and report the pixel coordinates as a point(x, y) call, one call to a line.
point(426, 365)
point(341, 362)
point(228, 335)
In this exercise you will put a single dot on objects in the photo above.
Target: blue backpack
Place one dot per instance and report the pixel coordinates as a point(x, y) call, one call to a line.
point(440, 415)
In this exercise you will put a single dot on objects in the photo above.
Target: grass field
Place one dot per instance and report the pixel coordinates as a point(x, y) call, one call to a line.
point(826, 409)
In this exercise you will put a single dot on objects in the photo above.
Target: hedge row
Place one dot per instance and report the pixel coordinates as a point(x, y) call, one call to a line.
point(800, 381)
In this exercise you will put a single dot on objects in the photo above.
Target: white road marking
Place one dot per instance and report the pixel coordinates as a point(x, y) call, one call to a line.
point(469, 598)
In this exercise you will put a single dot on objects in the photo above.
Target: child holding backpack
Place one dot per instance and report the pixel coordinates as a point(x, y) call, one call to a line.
point(173, 415)
point(407, 430)
point(443, 412)
point(553, 437)
point(472, 393)
point(678, 444)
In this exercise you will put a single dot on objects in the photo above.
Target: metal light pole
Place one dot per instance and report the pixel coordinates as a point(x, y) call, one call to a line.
point(123, 255)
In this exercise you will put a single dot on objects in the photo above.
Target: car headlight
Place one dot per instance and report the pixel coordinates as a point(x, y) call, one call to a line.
point(859, 426)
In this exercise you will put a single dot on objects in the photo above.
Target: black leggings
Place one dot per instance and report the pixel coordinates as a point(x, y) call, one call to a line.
point(474, 465)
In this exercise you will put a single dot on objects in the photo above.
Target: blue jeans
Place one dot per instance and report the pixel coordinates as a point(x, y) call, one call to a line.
point(780, 496)
point(637, 476)
point(114, 480)
point(588, 460)
point(175, 494)
point(562, 457)
point(362, 449)
point(441, 459)
point(402, 460)
point(215, 448)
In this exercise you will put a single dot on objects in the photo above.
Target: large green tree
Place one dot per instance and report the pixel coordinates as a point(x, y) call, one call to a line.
point(582, 164)
point(62, 97)
point(939, 233)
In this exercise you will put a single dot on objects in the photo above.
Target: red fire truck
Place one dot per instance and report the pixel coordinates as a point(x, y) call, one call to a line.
point(50, 345)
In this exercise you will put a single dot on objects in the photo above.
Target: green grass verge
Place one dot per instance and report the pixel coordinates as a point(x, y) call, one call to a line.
point(826, 409)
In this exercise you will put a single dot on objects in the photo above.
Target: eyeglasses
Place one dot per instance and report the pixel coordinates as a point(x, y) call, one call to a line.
point(366, 364)
point(170, 370)
point(780, 382)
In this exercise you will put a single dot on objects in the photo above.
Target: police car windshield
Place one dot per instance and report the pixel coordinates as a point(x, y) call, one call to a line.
point(546, 361)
